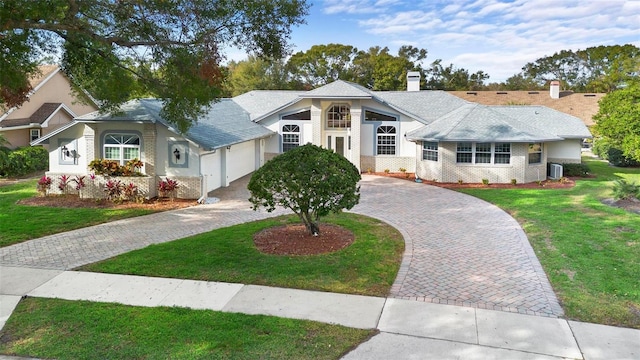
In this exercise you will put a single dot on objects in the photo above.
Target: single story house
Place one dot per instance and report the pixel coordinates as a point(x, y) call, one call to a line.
point(50, 105)
point(435, 134)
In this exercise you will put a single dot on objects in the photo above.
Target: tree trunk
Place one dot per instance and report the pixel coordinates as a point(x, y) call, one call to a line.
point(314, 228)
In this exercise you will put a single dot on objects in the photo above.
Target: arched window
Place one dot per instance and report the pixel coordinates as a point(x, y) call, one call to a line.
point(121, 147)
point(290, 137)
point(339, 117)
point(386, 140)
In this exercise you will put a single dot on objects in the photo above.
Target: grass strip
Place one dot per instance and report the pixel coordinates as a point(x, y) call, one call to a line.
point(61, 329)
point(367, 267)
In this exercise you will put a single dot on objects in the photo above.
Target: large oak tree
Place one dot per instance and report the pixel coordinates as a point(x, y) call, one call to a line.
point(117, 50)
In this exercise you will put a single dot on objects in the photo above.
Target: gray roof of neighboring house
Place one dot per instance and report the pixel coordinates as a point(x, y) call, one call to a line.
point(225, 124)
point(474, 122)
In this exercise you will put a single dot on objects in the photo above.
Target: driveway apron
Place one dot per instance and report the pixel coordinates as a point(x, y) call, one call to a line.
point(459, 250)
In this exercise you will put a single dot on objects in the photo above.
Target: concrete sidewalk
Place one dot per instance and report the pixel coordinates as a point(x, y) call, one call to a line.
point(408, 329)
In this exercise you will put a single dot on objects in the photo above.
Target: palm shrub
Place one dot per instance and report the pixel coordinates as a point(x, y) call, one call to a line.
point(623, 190)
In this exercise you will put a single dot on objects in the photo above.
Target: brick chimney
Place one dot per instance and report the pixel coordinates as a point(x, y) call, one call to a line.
point(413, 81)
point(554, 89)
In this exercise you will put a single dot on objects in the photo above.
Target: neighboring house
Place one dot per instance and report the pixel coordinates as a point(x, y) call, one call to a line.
point(50, 105)
point(433, 133)
point(580, 105)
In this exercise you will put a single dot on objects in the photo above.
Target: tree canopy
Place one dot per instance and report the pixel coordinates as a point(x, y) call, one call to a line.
point(618, 119)
point(309, 180)
point(117, 50)
point(594, 69)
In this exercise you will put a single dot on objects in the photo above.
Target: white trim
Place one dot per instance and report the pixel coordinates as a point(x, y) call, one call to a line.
point(61, 106)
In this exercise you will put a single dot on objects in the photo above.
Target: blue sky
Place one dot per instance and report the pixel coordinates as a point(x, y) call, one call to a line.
point(496, 36)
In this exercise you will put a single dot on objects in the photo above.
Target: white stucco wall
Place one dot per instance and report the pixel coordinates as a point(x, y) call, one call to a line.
point(163, 168)
point(73, 135)
point(567, 151)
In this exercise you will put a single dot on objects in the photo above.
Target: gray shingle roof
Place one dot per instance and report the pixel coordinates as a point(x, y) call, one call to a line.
point(559, 123)
point(38, 117)
point(225, 124)
point(474, 122)
point(339, 89)
point(425, 106)
point(259, 103)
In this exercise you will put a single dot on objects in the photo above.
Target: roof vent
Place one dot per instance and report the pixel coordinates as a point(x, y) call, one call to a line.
point(589, 95)
point(501, 92)
point(413, 81)
point(533, 92)
point(472, 93)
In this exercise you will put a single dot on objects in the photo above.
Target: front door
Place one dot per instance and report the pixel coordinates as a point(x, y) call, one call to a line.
point(338, 142)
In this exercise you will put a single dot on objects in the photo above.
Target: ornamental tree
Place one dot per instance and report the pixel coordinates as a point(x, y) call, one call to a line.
point(118, 50)
point(309, 180)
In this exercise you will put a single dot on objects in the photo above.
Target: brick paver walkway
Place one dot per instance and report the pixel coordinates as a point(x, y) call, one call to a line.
point(459, 250)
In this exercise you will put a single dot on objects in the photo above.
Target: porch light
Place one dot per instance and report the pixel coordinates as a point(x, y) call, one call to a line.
point(65, 151)
point(176, 153)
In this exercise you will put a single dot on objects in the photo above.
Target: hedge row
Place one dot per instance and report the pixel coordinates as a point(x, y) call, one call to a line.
point(23, 161)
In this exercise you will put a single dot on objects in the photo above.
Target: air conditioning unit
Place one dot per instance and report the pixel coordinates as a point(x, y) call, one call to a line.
point(555, 171)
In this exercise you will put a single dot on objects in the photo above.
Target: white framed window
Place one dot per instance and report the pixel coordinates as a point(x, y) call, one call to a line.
point(121, 147)
point(430, 150)
point(339, 116)
point(535, 153)
point(502, 153)
point(483, 153)
point(290, 137)
point(386, 140)
point(464, 153)
point(34, 134)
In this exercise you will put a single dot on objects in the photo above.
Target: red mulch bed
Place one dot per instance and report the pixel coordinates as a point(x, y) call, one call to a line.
point(74, 201)
point(546, 184)
point(295, 239)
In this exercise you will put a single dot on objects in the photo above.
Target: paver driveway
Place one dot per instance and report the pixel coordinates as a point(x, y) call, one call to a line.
point(459, 250)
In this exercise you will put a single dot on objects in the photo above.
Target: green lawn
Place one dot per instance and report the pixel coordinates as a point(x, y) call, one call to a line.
point(589, 250)
point(60, 329)
point(367, 267)
point(20, 222)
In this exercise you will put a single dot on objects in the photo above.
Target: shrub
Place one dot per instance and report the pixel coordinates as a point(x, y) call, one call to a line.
point(113, 168)
point(79, 181)
point(23, 161)
point(485, 181)
point(113, 190)
point(581, 170)
point(514, 181)
point(130, 192)
point(44, 184)
point(617, 158)
point(625, 190)
point(168, 187)
point(62, 185)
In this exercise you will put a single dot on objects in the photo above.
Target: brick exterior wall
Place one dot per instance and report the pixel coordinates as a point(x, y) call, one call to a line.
point(189, 187)
point(391, 163)
point(447, 170)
